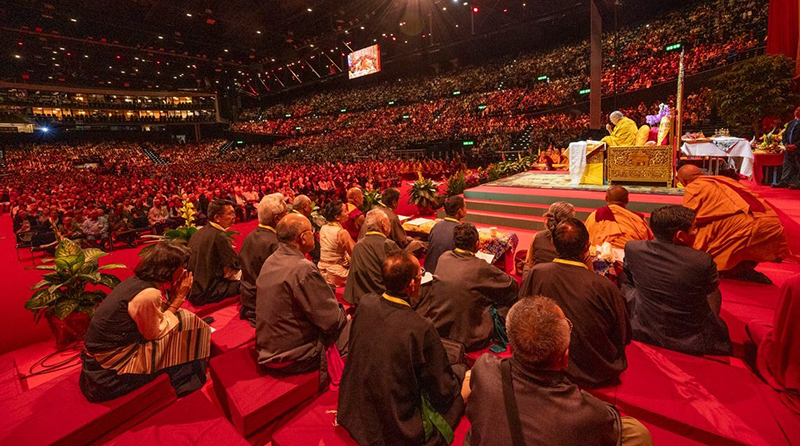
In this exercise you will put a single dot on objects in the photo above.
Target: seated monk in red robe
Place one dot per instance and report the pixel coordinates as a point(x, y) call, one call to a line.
point(734, 225)
point(614, 223)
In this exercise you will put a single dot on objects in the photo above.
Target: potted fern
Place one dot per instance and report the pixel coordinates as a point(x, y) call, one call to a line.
point(62, 296)
point(424, 194)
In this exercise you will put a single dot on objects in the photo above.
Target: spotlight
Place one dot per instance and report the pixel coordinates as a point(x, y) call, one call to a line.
point(475, 9)
point(45, 129)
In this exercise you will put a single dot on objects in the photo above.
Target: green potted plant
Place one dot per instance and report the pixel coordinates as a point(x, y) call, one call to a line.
point(62, 296)
point(424, 194)
point(456, 184)
point(181, 234)
point(371, 199)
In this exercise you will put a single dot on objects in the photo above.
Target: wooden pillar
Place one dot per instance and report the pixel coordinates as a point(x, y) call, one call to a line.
point(596, 66)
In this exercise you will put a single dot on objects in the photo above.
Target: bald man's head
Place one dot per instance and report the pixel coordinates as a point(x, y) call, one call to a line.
point(355, 196)
point(293, 229)
point(617, 195)
point(688, 173)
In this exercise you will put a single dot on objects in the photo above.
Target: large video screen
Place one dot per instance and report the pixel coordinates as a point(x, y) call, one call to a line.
point(364, 61)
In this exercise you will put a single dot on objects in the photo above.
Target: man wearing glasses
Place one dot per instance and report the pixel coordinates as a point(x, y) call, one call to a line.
point(504, 390)
point(212, 260)
point(297, 315)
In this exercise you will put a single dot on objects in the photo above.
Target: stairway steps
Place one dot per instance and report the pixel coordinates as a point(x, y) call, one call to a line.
point(522, 209)
point(577, 199)
point(490, 218)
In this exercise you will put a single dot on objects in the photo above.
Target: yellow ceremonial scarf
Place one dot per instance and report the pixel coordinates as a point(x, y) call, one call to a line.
point(216, 226)
point(375, 233)
point(452, 219)
point(571, 262)
point(464, 251)
point(269, 228)
point(396, 300)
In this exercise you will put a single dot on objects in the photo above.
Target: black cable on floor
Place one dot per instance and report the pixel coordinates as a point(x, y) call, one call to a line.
point(62, 364)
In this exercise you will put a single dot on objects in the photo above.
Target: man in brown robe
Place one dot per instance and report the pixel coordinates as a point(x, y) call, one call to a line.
point(390, 198)
point(365, 266)
point(297, 315)
point(593, 303)
point(212, 260)
point(614, 223)
point(464, 290)
point(398, 374)
point(734, 225)
point(257, 247)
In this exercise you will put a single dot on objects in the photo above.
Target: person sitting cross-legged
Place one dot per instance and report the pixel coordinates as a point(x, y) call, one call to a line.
point(212, 260)
point(592, 302)
point(614, 223)
point(440, 240)
point(674, 288)
point(368, 254)
point(259, 245)
point(466, 289)
point(398, 386)
point(528, 399)
point(297, 315)
point(139, 331)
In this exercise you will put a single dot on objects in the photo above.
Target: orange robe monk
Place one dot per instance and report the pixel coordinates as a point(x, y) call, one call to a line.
point(616, 225)
point(734, 224)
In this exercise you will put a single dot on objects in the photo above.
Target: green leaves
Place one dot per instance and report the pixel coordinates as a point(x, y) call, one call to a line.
point(424, 193)
point(62, 291)
point(754, 89)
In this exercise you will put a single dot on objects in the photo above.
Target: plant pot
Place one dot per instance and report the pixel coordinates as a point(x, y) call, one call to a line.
point(72, 328)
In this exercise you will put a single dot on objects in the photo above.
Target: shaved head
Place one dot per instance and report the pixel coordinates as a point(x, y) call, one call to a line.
point(688, 173)
point(291, 226)
point(617, 195)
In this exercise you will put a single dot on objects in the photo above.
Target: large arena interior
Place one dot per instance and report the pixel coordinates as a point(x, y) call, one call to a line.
point(400, 222)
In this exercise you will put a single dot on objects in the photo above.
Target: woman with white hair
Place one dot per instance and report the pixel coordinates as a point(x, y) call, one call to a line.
point(257, 247)
point(542, 249)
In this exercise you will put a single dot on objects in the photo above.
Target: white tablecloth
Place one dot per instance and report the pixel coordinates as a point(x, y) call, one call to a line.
point(577, 161)
point(724, 147)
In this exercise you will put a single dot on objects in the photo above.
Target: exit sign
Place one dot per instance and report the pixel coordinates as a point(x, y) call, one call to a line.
point(482, 107)
point(343, 110)
point(457, 92)
point(288, 116)
point(585, 91)
point(391, 102)
point(673, 47)
point(468, 143)
point(542, 78)
point(406, 116)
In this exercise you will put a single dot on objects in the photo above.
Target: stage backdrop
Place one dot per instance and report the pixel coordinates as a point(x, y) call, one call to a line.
point(784, 24)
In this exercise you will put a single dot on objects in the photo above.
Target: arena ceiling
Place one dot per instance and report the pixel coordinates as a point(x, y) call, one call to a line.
point(205, 44)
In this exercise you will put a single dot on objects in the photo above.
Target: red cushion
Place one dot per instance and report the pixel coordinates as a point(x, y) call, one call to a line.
point(314, 425)
point(191, 420)
point(10, 385)
point(58, 413)
point(666, 437)
point(230, 331)
point(252, 396)
point(473, 356)
point(205, 310)
point(694, 397)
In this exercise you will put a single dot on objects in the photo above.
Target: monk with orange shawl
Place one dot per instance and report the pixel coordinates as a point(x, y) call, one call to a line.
point(614, 223)
point(734, 225)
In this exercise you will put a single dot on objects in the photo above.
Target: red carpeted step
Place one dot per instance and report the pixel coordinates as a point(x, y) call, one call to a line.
point(314, 424)
point(694, 397)
point(205, 310)
point(472, 357)
point(10, 384)
point(737, 316)
point(58, 413)
point(192, 420)
point(230, 331)
point(253, 397)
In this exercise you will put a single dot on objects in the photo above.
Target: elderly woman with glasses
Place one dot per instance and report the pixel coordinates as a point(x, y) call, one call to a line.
point(139, 331)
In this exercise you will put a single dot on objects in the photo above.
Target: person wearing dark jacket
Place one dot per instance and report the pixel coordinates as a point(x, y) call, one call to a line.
point(398, 376)
point(673, 288)
point(365, 266)
point(212, 260)
point(529, 398)
point(592, 302)
point(257, 247)
point(465, 289)
point(440, 240)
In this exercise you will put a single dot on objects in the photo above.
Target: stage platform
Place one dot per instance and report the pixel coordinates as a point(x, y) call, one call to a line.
point(519, 201)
